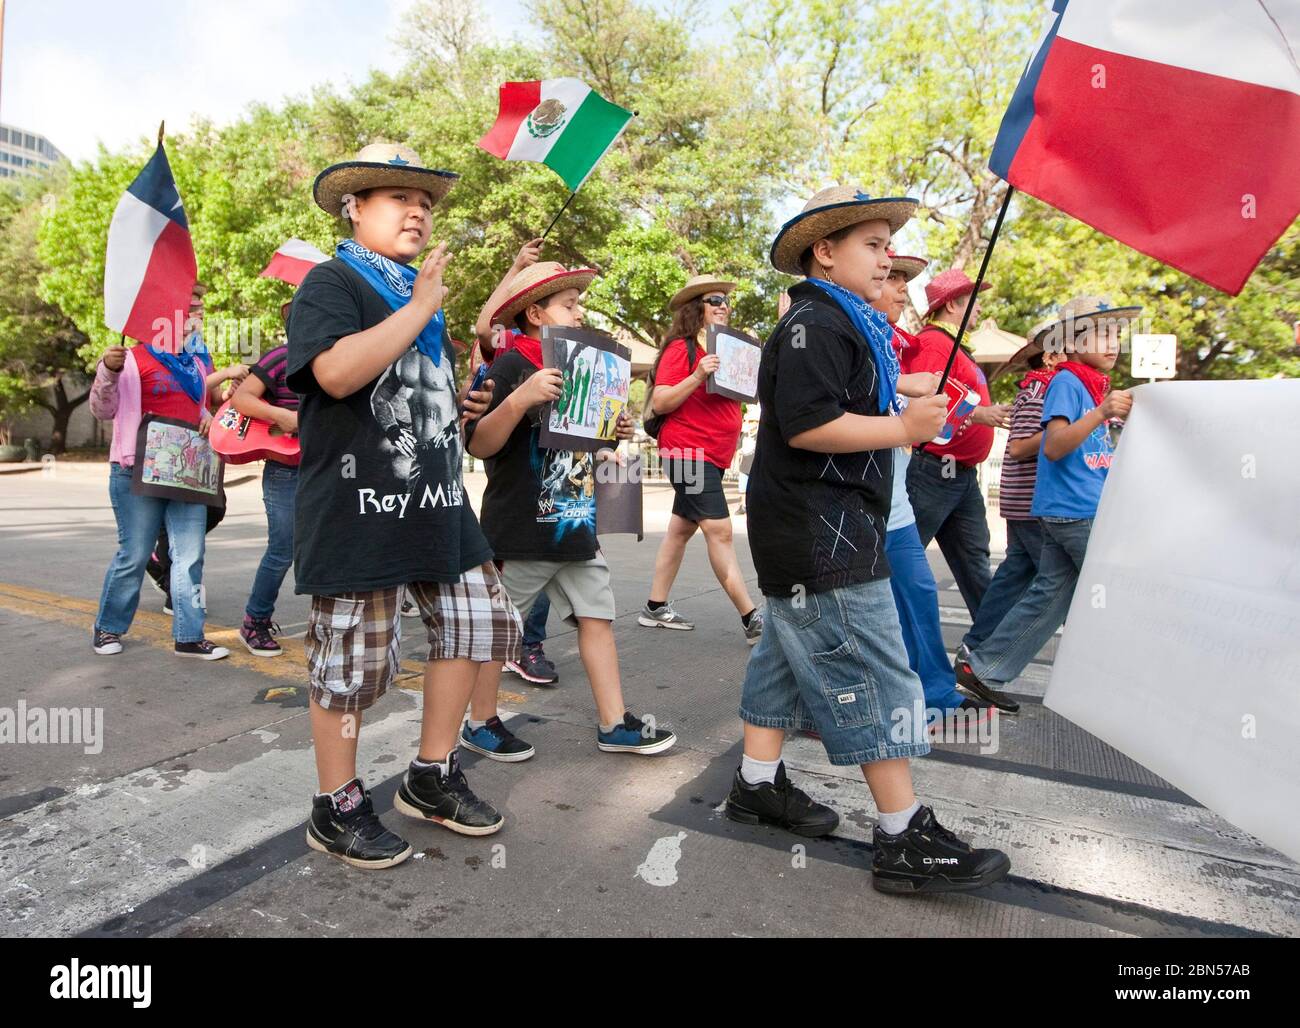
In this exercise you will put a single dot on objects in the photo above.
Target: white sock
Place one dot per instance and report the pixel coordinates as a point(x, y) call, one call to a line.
point(896, 824)
point(759, 772)
point(474, 726)
point(443, 765)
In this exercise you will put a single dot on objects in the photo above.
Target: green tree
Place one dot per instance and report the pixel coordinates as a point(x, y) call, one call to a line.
point(40, 366)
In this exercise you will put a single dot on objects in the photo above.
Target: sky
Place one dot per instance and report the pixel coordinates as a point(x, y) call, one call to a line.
point(82, 73)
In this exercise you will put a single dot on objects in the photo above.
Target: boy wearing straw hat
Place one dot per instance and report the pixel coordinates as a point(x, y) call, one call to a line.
point(1016, 493)
point(1073, 462)
point(539, 513)
point(381, 506)
point(832, 658)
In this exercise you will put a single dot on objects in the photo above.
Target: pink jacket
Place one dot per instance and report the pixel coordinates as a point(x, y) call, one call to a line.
point(115, 397)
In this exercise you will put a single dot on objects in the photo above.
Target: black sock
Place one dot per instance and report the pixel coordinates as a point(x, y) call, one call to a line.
point(748, 619)
point(655, 608)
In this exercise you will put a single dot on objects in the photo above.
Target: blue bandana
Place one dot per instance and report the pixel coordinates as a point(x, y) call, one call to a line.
point(874, 327)
point(183, 367)
point(393, 282)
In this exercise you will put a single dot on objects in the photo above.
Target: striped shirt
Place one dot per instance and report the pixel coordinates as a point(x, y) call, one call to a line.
point(1019, 476)
point(270, 371)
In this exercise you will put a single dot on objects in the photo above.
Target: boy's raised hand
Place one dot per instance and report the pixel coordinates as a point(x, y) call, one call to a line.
point(428, 290)
point(529, 255)
point(924, 418)
point(115, 358)
point(544, 387)
point(1117, 404)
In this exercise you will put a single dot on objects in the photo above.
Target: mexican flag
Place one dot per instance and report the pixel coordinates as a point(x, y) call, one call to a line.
point(562, 123)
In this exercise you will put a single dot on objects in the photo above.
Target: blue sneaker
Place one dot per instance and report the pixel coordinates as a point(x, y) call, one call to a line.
point(635, 736)
point(496, 742)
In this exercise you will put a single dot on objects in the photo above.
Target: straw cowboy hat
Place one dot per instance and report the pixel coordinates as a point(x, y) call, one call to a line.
point(537, 283)
point(950, 285)
point(831, 210)
point(908, 267)
point(1073, 317)
point(700, 285)
point(379, 165)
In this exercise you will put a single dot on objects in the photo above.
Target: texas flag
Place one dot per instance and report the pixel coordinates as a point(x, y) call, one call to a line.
point(149, 272)
point(1171, 125)
point(292, 262)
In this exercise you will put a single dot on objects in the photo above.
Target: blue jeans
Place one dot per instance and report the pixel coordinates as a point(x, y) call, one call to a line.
point(835, 662)
point(1012, 581)
point(279, 490)
point(535, 626)
point(917, 599)
point(1031, 623)
point(139, 519)
point(951, 510)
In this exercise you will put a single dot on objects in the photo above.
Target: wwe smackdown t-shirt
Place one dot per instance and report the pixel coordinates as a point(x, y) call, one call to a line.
point(1071, 487)
point(380, 496)
point(539, 504)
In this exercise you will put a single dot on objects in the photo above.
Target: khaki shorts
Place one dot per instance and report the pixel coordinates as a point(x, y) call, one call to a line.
point(354, 641)
point(578, 589)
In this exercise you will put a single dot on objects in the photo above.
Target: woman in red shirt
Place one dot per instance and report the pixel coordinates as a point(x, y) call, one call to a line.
point(697, 443)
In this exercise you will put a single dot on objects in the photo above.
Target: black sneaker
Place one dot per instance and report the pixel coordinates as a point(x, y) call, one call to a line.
point(354, 834)
point(967, 682)
point(107, 644)
point(780, 804)
point(202, 651)
point(926, 857)
point(167, 602)
point(426, 796)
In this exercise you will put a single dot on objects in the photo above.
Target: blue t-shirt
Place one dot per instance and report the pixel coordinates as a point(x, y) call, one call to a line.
point(1071, 487)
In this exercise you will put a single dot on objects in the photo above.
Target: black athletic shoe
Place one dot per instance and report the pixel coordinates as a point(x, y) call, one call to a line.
point(427, 796)
point(926, 857)
point(967, 682)
point(203, 650)
point(354, 833)
point(107, 644)
point(780, 804)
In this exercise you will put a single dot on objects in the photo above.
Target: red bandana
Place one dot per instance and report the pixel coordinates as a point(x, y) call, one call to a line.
point(1044, 375)
point(1096, 382)
point(530, 349)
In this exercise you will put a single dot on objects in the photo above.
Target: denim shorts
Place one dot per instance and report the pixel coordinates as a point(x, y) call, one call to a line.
point(834, 662)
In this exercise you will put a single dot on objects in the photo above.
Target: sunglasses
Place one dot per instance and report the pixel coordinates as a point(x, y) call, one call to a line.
point(717, 301)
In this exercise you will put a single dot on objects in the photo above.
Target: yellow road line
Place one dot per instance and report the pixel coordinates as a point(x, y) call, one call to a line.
point(155, 630)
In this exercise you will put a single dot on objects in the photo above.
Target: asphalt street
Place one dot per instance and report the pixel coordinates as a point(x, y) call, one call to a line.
point(189, 821)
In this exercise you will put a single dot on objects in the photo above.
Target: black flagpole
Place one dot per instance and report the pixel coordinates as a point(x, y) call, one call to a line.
point(984, 267)
point(556, 219)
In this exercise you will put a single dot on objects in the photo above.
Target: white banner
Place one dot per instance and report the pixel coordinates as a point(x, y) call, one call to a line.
point(1182, 648)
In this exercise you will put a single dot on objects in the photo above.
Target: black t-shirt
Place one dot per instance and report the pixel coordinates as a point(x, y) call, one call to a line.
point(380, 496)
point(817, 521)
point(539, 504)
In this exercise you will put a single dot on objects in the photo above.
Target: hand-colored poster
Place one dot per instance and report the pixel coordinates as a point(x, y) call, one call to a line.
point(173, 461)
point(597, 377)
point(739, 354)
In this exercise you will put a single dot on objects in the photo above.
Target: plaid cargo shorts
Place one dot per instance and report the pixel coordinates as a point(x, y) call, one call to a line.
point(354, 640)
